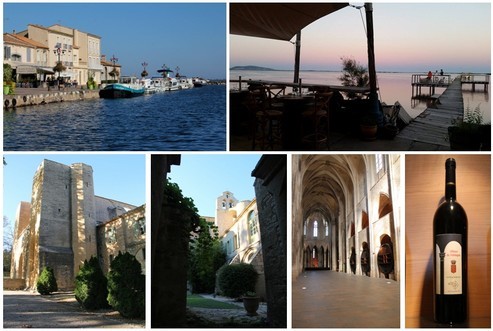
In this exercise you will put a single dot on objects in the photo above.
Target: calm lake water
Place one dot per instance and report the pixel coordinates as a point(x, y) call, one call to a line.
point(186, 120)
point(392, 87)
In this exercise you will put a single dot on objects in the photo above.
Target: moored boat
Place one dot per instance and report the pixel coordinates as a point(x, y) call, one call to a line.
point(127, 87)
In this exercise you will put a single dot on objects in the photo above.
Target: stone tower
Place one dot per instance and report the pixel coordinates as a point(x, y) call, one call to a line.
point(226, 212)
point(62, 230)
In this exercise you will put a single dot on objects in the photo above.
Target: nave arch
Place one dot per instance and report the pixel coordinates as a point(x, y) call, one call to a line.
point(346, 196)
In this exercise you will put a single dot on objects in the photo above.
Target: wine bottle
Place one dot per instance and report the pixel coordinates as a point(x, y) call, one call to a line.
point(450, 255)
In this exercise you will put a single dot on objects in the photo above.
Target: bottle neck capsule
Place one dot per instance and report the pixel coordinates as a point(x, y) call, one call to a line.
point(450, 192)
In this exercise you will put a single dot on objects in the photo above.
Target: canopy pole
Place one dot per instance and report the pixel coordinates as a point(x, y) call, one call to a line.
point(371, 64)
point(297, 58)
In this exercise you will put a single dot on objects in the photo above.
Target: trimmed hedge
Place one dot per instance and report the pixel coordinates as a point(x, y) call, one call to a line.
point(234, 280)
point(91, 289)
point(126, 286)
point(46, 283)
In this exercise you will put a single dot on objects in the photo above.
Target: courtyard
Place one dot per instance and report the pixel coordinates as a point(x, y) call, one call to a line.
point(24, 309)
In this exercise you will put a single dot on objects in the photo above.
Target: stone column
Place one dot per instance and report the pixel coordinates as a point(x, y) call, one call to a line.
point(270, 191)
point(169, 247)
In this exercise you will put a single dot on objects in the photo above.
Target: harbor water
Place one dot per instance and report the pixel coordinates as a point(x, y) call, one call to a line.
point(185, 120)
point(392, 87)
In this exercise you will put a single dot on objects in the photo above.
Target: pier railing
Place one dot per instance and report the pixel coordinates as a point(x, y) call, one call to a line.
point(423, 80)
point(435, 80)
point(476, 79)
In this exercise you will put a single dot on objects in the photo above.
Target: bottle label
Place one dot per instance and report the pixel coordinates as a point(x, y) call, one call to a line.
point(448, 264)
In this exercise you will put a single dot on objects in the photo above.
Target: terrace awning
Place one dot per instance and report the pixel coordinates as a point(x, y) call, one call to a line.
point(280, 21)
point(283, 21)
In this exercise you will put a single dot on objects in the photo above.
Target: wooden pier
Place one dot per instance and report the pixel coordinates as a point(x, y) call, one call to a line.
point(474, 79)
point(418, 81)
point(431, 126)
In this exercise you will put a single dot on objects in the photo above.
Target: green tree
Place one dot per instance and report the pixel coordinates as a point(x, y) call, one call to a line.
point(235, 280)
point(353, 74)
point(91, 289)
point(126, 286)
point(46, 283)
point(206, 257)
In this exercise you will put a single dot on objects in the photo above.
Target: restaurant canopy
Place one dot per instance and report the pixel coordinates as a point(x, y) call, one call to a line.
point(276, 20)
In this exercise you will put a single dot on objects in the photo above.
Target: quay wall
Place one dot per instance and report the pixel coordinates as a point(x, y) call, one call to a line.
point(12, 101)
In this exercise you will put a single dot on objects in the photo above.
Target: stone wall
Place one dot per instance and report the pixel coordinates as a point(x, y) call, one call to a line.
point(169, 246)
point(125, 233)
point(12, 101)
point(270, 191)
point(14, 284)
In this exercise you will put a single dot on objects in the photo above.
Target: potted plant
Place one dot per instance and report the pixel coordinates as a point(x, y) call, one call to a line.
point(251, 302)
point(368, 127)
point(7, 78)
point(470, 133)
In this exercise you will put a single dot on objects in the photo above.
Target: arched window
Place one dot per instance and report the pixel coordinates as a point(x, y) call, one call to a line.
point(304, 228)
point(315, 229)
point(326, 228)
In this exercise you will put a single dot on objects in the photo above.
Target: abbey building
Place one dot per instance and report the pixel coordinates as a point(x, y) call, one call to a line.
point(66, 223)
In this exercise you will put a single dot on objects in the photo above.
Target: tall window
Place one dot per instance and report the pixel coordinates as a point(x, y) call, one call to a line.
point(315, 229)
point(326, 228)
point(304, 228)
point(379, 162)
point(252, 224)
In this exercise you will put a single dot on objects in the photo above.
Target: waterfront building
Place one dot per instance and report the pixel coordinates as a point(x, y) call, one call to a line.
point(66, 223)
point(108, 68)
point(78, 51)
point(238, 228)
point(29, 58)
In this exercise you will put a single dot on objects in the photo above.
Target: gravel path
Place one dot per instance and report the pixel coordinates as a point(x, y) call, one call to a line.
point(22, 309)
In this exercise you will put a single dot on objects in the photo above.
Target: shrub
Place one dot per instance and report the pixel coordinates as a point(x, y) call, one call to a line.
point(91, 289)
point(46, 283)
point(126, 286)
point(234, 280)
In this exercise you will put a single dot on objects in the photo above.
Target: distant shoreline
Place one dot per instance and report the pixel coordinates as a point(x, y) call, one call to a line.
point(257, 68)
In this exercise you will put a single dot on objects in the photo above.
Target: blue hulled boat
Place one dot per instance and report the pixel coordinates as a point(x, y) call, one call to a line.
point(128, 87)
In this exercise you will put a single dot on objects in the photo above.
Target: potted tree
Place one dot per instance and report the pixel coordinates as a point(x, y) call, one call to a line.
point(7, 78)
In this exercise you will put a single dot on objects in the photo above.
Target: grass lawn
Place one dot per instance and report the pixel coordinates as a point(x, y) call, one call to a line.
point(197, 301)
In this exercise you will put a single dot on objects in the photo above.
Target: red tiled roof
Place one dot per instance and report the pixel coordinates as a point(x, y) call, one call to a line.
point(21, 41)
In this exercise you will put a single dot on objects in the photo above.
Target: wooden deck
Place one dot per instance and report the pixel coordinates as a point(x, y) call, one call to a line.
point(431, 125)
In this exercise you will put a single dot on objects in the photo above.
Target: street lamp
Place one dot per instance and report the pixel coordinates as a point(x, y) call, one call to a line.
point(114, 60)
point(59, 51)
point(144, 73)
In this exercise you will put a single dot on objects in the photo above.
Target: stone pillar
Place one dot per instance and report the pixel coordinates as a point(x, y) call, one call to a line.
point(270, 191)
point(169, 247)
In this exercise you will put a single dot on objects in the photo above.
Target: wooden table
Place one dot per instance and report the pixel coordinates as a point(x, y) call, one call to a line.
point(425, 186)
point(293, 106)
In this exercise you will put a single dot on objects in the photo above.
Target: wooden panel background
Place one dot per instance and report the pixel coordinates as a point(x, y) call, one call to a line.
point(425, 186)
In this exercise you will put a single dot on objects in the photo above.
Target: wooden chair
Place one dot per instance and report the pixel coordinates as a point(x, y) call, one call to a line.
point(266, 121)
point(316, 123)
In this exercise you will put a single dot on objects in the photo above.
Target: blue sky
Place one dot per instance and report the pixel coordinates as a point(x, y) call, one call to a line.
point(191, 36)
point(204, 177)
point(117, 176)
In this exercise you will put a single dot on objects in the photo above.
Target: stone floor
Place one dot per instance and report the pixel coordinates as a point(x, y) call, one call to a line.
point(329, 299)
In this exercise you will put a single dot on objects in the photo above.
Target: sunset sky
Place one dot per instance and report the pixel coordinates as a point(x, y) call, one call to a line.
point(408, 37)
